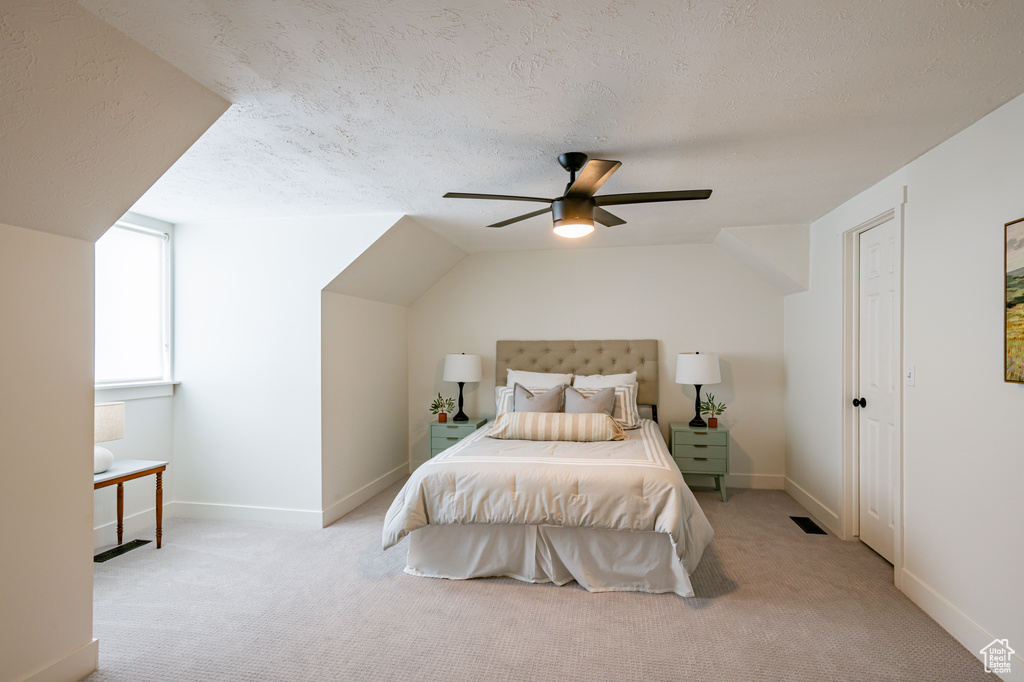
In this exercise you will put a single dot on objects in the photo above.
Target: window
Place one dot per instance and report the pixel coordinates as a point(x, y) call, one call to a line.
point(133, 305)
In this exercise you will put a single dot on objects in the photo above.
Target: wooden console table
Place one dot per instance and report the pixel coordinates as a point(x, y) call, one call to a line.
point(125, 470)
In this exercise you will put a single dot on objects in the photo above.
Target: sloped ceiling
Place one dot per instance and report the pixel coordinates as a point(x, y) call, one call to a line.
point(89, 119)
point(785, 108)
point(781, 254)
point(400, 266)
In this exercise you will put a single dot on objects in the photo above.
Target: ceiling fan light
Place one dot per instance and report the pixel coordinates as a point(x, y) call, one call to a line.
point(574, 228)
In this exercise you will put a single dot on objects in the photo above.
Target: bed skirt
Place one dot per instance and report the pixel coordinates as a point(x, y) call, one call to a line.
point(599, 560)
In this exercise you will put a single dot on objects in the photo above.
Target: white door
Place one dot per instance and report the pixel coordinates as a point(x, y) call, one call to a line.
point(880, 375)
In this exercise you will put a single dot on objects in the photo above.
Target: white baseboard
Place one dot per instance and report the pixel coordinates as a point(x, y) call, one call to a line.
point(755, 481)
point(140, 523)
point(353, 500)
point(237, 512)
point(956, 622)
point(819, 511)
point(76, 665)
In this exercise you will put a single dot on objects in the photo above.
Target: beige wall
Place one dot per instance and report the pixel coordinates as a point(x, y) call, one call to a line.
point(963, 431)
point(247, 439)
point(365, 399)
point(88, 121)
point(46, 418)
point(690, 298)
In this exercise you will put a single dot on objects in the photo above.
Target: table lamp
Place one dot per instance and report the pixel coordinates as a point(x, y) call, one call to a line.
point(108, 425)
point(461, 368)
point(698, 369)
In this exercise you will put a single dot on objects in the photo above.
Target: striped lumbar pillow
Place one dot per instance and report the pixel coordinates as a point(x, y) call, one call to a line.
point(580, 428)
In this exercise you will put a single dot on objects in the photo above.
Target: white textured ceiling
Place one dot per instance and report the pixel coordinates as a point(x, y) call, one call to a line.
point(784, 108)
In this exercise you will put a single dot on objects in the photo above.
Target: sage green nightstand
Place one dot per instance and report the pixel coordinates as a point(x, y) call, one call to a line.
point(445, 435)
point(701, 451)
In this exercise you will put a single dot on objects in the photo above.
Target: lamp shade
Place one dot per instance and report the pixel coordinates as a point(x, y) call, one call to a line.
point(109, 422)
point(462, 367)
point(698, 368)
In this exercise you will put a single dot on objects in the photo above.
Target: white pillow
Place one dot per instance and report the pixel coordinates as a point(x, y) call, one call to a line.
point(532, 380)
point(603, 380)
point(502, 400)
point(625, 410)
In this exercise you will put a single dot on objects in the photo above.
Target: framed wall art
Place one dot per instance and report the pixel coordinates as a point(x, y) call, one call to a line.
point(1014, 347)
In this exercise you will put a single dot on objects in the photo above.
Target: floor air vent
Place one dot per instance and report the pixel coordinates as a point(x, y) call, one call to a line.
point(808, 526)
point(118, 551)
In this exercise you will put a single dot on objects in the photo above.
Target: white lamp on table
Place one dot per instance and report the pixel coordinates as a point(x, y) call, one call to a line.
point(109, 425)
point(698, 369)
point(462, 368)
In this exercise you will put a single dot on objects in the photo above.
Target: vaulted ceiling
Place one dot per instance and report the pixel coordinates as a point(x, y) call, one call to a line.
point(785, 108)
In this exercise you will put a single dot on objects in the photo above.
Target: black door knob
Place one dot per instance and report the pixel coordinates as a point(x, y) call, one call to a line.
point(860, 402)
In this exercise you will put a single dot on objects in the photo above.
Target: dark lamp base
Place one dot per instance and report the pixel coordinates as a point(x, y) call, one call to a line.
point(697, 422)
point(461, 416)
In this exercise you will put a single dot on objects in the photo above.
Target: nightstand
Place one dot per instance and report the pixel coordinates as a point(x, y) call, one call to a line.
point(700, 451)
point(445, 435)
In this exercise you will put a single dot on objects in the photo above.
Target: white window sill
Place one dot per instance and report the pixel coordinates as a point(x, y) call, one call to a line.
point(111, 393)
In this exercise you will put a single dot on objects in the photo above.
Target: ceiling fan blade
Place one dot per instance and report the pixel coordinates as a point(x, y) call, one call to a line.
point(503, 223)
point(607, 219)
point(591, 177)
point(650, 197)
point(500, 197)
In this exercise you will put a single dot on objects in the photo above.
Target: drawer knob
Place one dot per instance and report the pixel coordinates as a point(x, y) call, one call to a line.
point(701, 459)
point(700, 445)
point(452, 438)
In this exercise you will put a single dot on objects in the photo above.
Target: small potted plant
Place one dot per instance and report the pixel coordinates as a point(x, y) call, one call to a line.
point(441, 407)
point(712, 409)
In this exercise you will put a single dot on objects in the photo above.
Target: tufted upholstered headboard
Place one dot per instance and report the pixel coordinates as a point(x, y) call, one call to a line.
point(583, 357)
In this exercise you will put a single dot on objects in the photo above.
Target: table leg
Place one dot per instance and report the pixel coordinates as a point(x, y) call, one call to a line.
point(159, 507)
point(722, 483)
point(120, 512)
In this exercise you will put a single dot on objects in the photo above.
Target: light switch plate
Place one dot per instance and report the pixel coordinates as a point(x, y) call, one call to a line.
point(908, 375)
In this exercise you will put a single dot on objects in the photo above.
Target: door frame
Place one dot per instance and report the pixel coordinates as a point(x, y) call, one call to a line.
point(849, 516)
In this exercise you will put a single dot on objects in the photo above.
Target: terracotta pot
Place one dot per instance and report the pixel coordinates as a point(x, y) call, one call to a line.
point(712, 422)
point(442, 418)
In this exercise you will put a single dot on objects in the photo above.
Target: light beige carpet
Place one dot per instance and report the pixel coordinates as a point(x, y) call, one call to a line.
point(233, 601)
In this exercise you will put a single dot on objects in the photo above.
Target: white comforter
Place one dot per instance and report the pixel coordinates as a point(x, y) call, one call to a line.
point(630, 485)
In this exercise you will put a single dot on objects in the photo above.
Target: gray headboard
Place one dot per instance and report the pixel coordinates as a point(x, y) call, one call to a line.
point(583, 357)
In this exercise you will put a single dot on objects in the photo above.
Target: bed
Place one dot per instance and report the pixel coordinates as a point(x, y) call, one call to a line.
point(611, 515)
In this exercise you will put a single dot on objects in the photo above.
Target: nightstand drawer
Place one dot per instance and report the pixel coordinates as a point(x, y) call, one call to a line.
point(696, 465)
point(443, 442)
point(434, 452)
point(697, 437)
point(451, 430)
point(701, 451)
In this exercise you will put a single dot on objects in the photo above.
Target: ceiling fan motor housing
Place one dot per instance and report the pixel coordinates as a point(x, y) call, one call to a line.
point(573, 210)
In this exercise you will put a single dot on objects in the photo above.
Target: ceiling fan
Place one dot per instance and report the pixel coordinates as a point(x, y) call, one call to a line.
point(577, 209)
